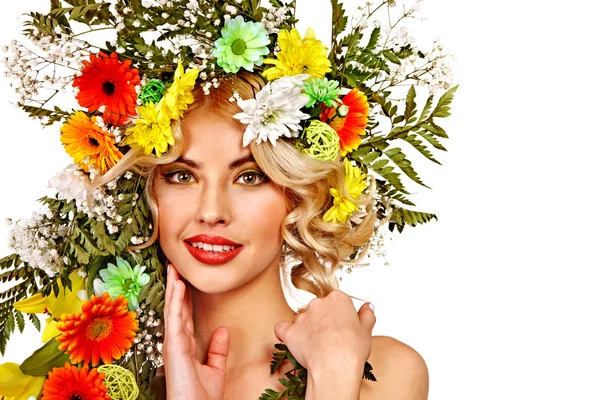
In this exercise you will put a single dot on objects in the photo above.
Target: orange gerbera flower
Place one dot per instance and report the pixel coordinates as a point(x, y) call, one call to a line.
point(350, 127)
point(106, 81)
point(105, 330)
point(88, 144)
point(69, 383)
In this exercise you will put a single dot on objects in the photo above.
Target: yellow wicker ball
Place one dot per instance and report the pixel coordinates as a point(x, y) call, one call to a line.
point(120, 382)
point(323, 141)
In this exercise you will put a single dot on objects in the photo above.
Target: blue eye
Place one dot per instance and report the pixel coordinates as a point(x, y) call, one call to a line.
point(252, 178)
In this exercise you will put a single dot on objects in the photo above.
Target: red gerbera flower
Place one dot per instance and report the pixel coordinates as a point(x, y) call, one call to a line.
point(68, 383)
point(106, 81)
point(105, 330)
point(350, 127)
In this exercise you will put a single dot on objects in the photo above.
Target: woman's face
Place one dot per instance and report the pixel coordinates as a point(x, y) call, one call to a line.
point(219, 215)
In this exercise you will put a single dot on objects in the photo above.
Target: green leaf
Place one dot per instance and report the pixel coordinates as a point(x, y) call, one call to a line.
point(35, 321)
point(368, 374)
point(426, 109)
point(44, 359)
point(442, 109)
point(94, 266)
point(374, 39)
point(20, 321)
point(411, 105)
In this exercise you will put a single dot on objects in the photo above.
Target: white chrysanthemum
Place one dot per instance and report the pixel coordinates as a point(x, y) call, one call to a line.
point(275, 111)
point(71, 184)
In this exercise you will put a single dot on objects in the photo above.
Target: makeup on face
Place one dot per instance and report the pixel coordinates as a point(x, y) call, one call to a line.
point(212, 250)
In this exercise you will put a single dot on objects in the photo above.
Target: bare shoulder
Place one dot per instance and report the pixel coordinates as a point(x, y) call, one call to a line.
point(400, 371)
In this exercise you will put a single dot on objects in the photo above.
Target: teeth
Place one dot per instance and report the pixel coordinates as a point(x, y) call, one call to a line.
point(215, 248)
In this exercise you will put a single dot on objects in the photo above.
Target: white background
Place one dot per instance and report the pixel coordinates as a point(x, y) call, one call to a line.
point(499, 296)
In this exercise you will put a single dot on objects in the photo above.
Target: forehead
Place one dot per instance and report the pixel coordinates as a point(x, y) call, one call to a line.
point(212, 138)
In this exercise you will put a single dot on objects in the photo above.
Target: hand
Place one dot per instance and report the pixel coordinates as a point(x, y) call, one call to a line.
point(186, 377)
point(329, 334)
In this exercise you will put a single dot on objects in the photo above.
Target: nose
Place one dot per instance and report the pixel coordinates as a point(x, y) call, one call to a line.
point(213, 205)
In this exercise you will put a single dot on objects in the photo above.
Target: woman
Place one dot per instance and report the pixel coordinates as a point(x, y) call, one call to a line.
point(225, 308)
point(253, 163)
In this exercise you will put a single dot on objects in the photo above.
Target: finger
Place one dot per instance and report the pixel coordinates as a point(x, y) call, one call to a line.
point(168, 297)
point(366, 315)
point(281, 329)
point(188, 313)
point(218, 349)
point(175, 310)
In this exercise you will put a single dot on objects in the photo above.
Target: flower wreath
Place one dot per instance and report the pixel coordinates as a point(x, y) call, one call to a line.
point(75, 260)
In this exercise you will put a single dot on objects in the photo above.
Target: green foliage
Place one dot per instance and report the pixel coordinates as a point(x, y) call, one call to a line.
point(380, 153)
point(15, 270)
point(295, 381)
point(44, 359)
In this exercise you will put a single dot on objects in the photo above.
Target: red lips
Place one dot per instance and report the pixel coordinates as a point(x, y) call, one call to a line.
point(211, 257)
point(211, 240)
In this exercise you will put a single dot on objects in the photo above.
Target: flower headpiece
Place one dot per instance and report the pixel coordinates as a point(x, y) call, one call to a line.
point(340, 104)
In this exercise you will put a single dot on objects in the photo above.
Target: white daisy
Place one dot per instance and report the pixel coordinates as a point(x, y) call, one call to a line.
point(275, 111)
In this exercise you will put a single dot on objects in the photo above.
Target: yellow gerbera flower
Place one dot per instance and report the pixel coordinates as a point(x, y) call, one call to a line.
point(88, 144)
point(343, 207)
point(179, 94)
point(298, 56)
point(152, 131)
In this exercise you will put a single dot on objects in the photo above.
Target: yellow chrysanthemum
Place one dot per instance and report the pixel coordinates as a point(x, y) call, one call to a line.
point(152, 131)
point(343, 207)
point(88, 144)
point(179, 94)
point(298, 56)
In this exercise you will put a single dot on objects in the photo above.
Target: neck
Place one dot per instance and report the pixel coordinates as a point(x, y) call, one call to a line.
point(249, 312)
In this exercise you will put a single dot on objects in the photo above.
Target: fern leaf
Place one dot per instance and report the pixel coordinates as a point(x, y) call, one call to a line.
point(442, 109)
point(411, 105)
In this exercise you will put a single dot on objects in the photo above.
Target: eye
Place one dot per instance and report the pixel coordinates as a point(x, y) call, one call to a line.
point(180, 177)
point(252, 178)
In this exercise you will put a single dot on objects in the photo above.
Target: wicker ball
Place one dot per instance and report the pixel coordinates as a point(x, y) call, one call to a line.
point(120, 382)
point(323, 141)
point(152, 91)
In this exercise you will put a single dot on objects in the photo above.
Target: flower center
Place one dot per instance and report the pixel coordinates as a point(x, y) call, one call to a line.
point(75, 396)
point(108, 88)
point(99, 329)
point(337, 123)
point(127, 285)
point(238, 47)
point(94, 142)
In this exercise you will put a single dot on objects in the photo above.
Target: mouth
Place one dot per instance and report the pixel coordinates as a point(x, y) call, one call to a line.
point(212, 250)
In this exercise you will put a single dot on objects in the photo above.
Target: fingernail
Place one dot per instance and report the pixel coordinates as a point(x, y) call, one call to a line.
point(168, 268)
point(372, 306)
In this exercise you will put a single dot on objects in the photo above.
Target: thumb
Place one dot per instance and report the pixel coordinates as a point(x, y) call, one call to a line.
point(280, 330)
point(218, 349)
point(366, 315)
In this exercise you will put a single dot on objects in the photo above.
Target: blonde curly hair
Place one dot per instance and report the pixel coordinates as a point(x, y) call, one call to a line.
point(314, 248)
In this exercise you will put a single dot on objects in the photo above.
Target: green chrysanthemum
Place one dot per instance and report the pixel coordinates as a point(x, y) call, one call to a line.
point(241, 45)
point(121, 279)
point(322, 91)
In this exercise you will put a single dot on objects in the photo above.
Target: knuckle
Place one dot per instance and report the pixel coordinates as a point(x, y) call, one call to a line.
point(314, 302)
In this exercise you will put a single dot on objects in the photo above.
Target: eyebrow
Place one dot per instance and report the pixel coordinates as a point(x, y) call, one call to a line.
point(232, 165)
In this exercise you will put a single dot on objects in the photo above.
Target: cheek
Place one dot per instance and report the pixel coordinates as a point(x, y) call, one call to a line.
point(263, 214)
point(173, 212)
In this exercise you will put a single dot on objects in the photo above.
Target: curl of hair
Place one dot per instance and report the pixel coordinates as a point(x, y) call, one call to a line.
point(318, 247)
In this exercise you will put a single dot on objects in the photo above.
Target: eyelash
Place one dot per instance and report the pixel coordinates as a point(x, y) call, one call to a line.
point(169, 175)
